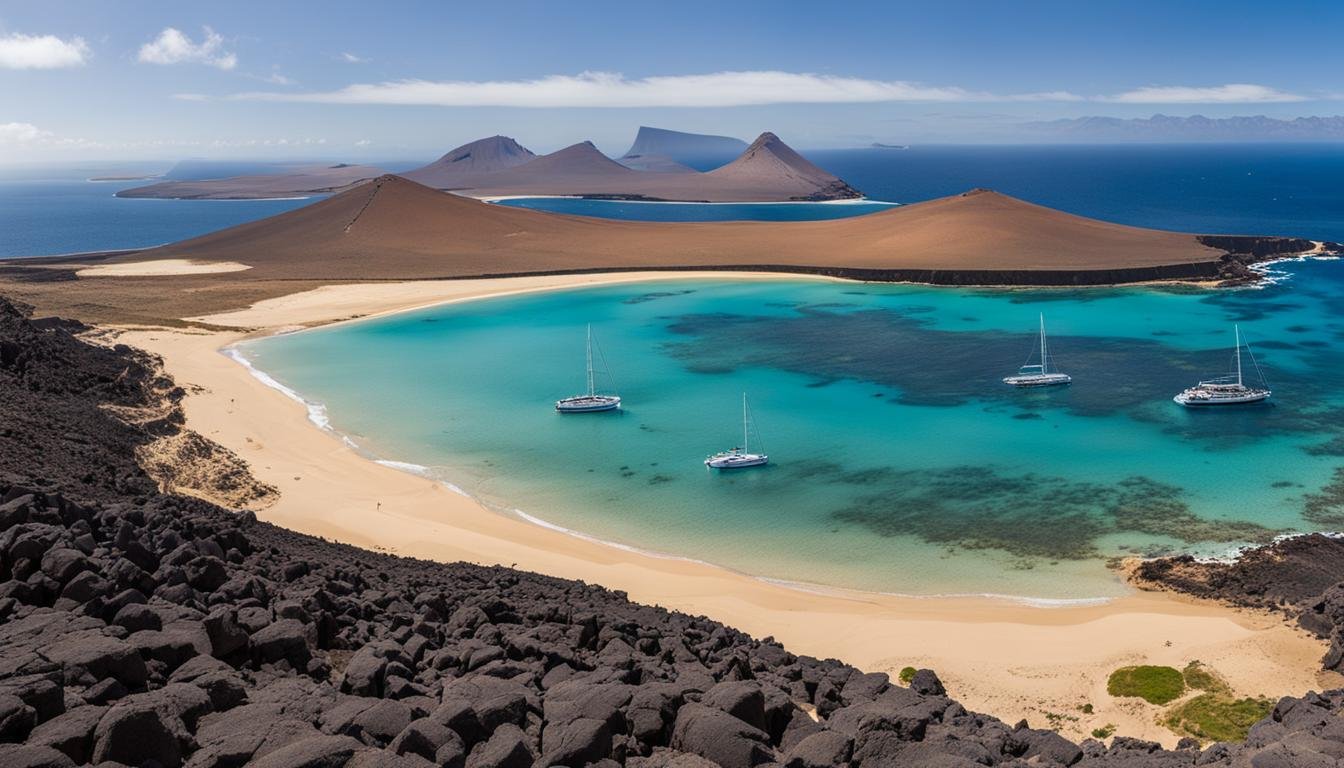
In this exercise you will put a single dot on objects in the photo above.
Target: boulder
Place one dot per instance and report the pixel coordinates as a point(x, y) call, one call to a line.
point(507, 747)
point(719, 737)
point(742, 699)
point(135, 734)
point(70, 733)
point(285, 639)
point(823, 749)
point(312, 752)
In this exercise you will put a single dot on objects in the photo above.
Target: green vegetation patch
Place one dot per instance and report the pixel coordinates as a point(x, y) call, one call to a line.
point(1201, 678)
point(907, 674)
point(1104, 732)
point(1155, 685)
point(1218, 717)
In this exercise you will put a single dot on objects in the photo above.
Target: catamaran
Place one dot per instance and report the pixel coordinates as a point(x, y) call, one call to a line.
point(592, 402)
point(739, 458)
point(1038, 375)
point(1226, 390)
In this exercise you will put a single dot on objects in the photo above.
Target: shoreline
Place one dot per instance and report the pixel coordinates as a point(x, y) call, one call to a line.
point(1011, 660)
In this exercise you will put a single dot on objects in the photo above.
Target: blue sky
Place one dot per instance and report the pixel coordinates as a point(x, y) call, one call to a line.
point(359, 80)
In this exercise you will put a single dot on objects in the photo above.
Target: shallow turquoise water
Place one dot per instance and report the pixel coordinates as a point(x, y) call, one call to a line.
point(898, 461)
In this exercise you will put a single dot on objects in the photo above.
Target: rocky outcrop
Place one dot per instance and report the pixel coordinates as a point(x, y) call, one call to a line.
point(1301, 577)
point(152, 629)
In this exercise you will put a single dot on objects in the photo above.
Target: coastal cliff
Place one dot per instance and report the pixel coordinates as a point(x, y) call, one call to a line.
point(140, 626)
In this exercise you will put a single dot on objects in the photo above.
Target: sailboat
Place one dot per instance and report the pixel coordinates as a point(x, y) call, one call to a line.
point(739, 458)
point(592, 402)
point(1038, 375)
point(1225, 390)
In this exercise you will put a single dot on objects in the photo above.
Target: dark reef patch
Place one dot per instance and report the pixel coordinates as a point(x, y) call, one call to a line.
point(1325, 508)
point(1025, 515)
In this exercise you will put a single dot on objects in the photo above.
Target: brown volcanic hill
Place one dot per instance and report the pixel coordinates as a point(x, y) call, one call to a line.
point(396, 229)
point(459, 166)
point(768, 171)
point(770, 161)
point(305, 180)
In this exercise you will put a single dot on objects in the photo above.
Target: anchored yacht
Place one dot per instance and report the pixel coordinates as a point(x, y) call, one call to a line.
point(1038, 375)
point(739, 458)
point(592, 402)
point(1226, 390)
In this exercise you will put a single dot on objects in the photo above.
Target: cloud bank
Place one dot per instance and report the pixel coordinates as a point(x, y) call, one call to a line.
point(172, 46)
point(41, 52)
point(1232, 93)
point(609, 89)
point(729, 89)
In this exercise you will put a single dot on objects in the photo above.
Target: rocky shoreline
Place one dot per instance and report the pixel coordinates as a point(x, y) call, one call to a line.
point(1301, 577)
point(142, 627)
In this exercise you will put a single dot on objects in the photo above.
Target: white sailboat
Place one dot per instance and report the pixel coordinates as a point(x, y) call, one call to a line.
point(739, 458)
point(1225, 390)
point(591, 402)
point(1038, 375)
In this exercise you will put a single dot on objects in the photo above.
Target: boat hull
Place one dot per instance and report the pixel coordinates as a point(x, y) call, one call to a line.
point(1028, 381)
point(1211, 402)
point(737, 462)
point(588, 404)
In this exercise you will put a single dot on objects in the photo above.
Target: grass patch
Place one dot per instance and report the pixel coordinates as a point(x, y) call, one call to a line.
point(1218, 717)
point(1201, 678)
point(907, 674)
point(1155, 685)
point(1103, 733)
point(1086, 709)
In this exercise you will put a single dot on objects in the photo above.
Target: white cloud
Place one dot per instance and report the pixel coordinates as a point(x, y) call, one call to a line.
point(174, 47)
point(21, 133)
point(1232, 93)
point(351, 58)
point(363, 143)
point(607, 89)
point(275, 78)
point(41, 52)
point(191, 97)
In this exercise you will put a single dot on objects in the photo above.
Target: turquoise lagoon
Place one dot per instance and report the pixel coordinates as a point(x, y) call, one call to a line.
point(899, 462)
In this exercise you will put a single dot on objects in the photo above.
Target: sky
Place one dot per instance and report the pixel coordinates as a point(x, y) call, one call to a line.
point(360, 81)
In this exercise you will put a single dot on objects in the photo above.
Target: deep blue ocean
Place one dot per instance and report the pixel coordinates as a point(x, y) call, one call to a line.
point(1261, 189)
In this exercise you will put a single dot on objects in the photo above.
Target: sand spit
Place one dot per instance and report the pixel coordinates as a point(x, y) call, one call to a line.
point(161, 268)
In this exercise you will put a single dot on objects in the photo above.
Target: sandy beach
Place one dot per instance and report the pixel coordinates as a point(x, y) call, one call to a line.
point(1010, 659)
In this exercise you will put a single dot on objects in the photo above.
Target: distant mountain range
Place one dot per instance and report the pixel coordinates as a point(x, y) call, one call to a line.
point(1194, 128)
point(768, 170)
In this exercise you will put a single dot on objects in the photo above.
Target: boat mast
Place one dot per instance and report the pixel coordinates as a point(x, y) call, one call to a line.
point(744, 422)
point(590, 360)
point(1237, 331)
point(1043, 344)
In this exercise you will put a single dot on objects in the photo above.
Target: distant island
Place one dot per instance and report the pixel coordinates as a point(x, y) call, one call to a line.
point(1194, 128)
point(305, 181)
point(880, 145)
point(129, 177)
point(767, 170)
